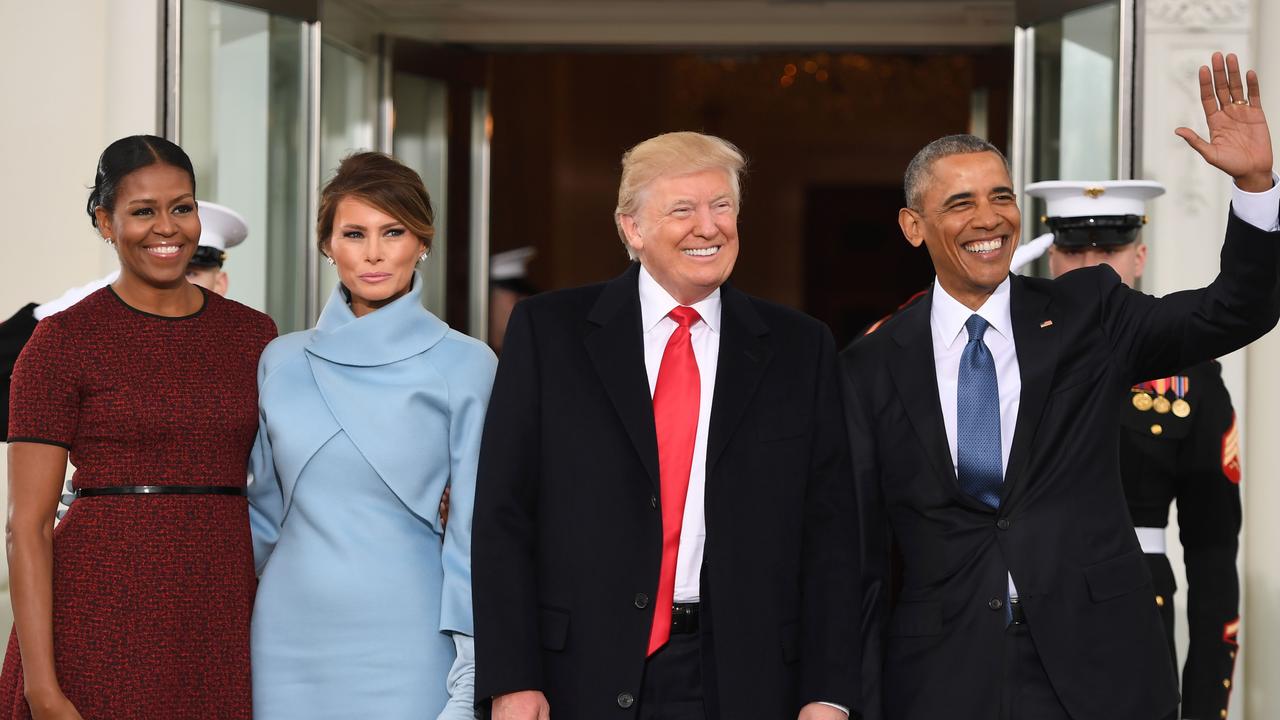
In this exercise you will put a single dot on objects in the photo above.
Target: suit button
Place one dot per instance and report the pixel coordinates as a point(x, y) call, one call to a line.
point(642, 600)
point(653, 501)
point(626, 700)
point(995, 603)
point(1003, 523)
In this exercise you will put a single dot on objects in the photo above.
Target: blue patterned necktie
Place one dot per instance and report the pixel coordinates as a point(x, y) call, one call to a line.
point(978, 463)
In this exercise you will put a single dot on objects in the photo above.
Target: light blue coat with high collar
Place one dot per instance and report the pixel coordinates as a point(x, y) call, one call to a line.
point(394, 397)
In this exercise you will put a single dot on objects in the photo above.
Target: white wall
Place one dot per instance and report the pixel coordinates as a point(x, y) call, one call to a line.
point(1184, 236)
point(76, 76)
point(1263, 468)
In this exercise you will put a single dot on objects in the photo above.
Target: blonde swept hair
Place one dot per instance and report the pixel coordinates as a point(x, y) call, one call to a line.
point(674, 153)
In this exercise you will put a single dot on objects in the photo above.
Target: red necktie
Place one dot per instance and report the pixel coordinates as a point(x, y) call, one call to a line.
point(675, 416)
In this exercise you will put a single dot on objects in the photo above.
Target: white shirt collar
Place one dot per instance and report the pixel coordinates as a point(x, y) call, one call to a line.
point(947, 316)
point(656, 302)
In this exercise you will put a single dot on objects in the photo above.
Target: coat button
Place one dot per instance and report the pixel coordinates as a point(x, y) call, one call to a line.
point(995, 603)
point(1157, 429)
point(626, 700)
point(642, 600)
point(1003, 523)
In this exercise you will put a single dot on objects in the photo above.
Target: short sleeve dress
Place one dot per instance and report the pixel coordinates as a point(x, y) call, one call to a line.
point(152, 594)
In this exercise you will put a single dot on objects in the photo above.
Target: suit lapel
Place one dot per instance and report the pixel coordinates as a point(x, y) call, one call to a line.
point(1037, 348)
point(615, 345)
point(916, 378)
point(742, 361)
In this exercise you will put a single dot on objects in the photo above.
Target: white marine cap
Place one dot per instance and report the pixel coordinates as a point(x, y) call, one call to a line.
point(1087, 198)
point(221, 227)
point(511, 264)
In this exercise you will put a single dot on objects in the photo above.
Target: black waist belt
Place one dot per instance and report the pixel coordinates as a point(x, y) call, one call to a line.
point(684, 618)
point(161, 490)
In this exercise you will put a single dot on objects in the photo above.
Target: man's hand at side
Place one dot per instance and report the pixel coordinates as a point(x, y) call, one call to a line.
point(528, 705)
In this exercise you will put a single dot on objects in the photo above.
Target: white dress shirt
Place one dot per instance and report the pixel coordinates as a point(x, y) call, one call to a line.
point(655, 303)
point(946, 322)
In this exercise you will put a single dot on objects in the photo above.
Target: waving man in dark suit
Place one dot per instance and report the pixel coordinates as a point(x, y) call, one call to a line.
point(984, 421)
point(664, 524)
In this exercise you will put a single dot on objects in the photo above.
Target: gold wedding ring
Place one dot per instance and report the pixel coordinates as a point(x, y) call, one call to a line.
point(1239, 102)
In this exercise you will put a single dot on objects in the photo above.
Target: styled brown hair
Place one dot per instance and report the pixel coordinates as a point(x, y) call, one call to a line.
point(383, 182)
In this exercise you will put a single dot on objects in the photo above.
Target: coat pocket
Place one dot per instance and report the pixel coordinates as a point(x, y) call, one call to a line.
point(553, 627)
point(1118, 576)
point(916, 619)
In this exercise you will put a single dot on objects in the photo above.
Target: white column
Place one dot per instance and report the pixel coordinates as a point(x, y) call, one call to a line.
point(1185, 237)
point(1262, 692)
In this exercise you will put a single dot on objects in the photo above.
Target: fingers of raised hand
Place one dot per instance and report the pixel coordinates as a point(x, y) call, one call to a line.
point(1220, 85)
point(1235, 85)
point(1207, 100)
point(1193, 139)
point(1255, 94)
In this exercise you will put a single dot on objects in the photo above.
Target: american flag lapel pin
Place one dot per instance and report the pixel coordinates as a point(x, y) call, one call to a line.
point(1045, 324)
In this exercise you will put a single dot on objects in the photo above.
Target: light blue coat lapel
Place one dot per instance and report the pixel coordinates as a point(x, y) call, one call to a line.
point(378, 387)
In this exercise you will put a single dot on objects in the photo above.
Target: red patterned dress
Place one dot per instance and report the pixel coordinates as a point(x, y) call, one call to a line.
point(152, 594)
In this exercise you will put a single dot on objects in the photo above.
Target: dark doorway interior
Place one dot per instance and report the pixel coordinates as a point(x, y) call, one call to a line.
point(827, 134)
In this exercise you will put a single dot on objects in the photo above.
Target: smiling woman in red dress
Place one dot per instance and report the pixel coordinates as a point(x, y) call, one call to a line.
point(138, 604)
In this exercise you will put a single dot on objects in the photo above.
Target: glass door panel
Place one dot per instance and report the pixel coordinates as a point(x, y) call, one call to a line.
point(420, 140)
point(1069, 81)
point(243, 121)
point(348, 103)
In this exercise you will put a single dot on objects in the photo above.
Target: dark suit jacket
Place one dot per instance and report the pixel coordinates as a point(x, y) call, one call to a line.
point(1062, 528)
point(567, 537)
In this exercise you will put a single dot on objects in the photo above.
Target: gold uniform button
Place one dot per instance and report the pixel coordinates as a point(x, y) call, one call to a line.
point(1159, 601)
point(1157, 429)
point(1232, 654)
point(1226, 683)
point(1223, 713)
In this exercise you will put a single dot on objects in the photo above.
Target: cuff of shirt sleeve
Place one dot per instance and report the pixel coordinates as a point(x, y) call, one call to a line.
point(841, 708)
point(461, 681)
point(1261, 210)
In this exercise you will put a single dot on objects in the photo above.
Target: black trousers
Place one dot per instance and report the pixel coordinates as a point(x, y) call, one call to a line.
point(672, 688)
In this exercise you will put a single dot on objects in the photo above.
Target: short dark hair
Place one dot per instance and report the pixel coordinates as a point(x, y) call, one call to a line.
point(383, 182)
point(922, 164)
point(127, 155)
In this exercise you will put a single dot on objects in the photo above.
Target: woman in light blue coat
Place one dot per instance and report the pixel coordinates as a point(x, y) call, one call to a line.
point(364, 600)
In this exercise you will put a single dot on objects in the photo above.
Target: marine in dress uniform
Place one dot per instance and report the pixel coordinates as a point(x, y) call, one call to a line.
point(1178, 443)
